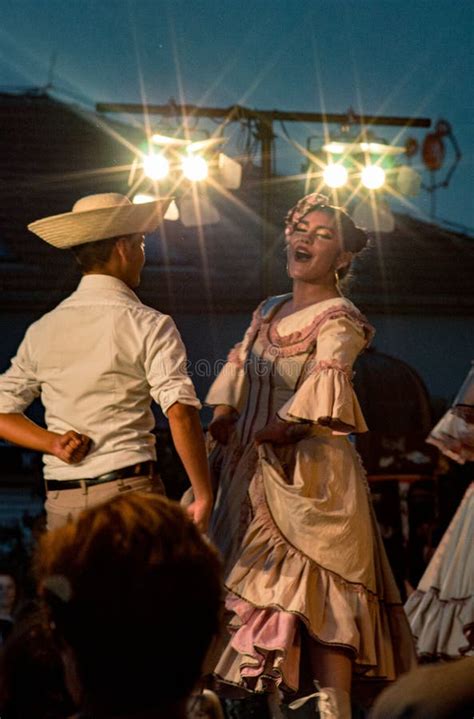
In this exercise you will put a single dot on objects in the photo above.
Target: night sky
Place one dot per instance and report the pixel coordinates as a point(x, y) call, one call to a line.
point(392, 57)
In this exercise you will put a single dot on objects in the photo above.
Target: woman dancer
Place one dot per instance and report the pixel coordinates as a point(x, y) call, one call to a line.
point(454, 433)
point(310, 591)
point(441, 610)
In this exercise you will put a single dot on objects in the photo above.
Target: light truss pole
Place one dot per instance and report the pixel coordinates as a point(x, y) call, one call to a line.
point(263, 120)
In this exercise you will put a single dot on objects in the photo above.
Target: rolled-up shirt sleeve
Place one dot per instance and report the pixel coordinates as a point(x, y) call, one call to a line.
point(19, 385)
point(166, 366)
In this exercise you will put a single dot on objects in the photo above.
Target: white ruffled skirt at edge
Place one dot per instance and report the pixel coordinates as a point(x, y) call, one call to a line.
point(312, 557)
point(441, 610)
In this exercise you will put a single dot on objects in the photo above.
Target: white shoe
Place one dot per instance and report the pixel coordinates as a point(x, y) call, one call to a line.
point(331, 703)
point(334, 703)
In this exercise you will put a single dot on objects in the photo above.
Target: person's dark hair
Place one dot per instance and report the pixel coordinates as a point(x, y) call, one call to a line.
point(6, 570)
point(32, 682)
point(134, 590)
point(9, 570)
point(353, 238)
point(92, 255)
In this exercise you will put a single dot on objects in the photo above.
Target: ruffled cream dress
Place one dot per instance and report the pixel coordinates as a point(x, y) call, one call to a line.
point(454, 433)
point(441, 610)
point(295, 525)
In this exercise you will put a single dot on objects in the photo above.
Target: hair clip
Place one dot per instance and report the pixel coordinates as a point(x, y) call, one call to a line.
point(304, 205)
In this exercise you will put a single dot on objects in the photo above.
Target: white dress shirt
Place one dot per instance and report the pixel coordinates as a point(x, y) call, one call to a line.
point(97, 360)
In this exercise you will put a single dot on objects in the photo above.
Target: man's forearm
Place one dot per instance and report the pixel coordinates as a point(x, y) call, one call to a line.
point(18, 429)
point(188, 439)
point(70, 446)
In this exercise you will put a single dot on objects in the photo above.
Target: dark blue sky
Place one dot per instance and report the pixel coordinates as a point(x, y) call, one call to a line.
point(395, 57)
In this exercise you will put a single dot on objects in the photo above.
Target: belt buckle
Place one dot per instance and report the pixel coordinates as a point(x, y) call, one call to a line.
point(124, 487)
point(143, 468)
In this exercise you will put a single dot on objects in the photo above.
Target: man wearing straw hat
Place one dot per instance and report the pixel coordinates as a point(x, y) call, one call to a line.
point(97, 361)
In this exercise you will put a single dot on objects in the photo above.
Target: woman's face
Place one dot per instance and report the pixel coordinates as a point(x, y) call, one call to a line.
point(314, 249)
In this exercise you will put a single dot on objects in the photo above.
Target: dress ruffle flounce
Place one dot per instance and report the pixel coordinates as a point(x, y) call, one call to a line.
point(327, 397)
point(287, 345)
point(454, 437)
point(275, 589)
point(441, 610)
point(440, 627)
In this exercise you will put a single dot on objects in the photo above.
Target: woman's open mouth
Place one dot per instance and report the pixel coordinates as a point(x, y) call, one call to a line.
point(302, 256)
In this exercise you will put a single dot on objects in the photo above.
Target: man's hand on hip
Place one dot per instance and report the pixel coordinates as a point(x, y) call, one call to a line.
point(71, 447)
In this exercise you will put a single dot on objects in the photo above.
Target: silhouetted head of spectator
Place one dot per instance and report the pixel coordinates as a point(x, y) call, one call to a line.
point(32, 681)
point(8, 591)
point(133, 592)
point(8, 601)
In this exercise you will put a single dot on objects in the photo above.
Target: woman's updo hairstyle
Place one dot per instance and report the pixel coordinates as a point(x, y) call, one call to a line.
point(353, 238)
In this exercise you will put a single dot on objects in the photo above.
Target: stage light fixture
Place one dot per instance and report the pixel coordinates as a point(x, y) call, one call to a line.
point(165, 141)
point(335, 175)
point(172, 212)
point(194, 168)
point(334, 148)
point(373, 177)
point(156, 167)
point(408, 180)
point(142, 197)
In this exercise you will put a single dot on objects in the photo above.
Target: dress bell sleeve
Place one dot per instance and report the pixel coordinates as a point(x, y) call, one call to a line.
point(326, 397)
point(231, 385)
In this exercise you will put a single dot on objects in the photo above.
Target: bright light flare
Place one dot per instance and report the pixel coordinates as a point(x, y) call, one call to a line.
point(335, 175)
point(334, 148)
point(380, 148)
point(141, 198)
point(373, 177)
point(195, 168)
point(166, 141)
point(156, 167)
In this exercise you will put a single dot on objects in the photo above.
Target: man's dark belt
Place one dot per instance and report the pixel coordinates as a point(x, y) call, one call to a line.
point(139, 469)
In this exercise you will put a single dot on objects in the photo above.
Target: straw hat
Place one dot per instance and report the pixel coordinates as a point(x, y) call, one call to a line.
point(98, 217)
